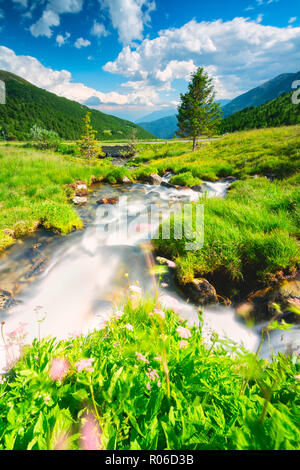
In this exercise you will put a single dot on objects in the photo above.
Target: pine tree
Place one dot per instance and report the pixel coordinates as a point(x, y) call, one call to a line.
point(198, 114)
point(88, 145)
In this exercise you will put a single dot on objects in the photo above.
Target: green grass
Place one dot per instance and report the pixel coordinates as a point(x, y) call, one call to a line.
point(202, 395)
point(33, 190)
point(265, 152)
point(249, 237)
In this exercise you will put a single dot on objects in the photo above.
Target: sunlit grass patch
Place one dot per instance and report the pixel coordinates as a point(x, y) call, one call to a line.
point(33, 190)
point(249, 236)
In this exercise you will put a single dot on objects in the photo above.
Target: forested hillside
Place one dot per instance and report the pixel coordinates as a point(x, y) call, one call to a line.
point(268, 91)
point(27, 105)
point(279, 112)
point(163, 128)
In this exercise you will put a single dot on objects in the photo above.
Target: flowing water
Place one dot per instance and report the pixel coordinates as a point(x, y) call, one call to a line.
point(79, 279)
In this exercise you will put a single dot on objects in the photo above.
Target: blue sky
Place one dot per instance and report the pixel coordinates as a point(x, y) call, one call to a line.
point(133, 57)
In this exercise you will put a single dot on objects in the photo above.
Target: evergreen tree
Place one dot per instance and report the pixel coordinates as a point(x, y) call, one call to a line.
point(198, 114)
point(88, 145)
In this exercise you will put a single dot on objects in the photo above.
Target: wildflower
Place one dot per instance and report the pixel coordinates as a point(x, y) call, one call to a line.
point(47, 399)
point(90, 433)
point(152, 374)
point(183, 344)
point(59, 369)
point(75, 334)
point(148, 386)
point(128, 327)
point(85, 364)
point(2, 380)
point(158, 358)
point(150, 314)
point(159, 312)
point(118, 314)
point(164, 284)
point(159, 383)
point(184, 332)
point(142, 358)
point(135, 289)
point(126, 275)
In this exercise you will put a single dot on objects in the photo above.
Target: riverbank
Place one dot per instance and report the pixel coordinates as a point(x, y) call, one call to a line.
point(34, 191)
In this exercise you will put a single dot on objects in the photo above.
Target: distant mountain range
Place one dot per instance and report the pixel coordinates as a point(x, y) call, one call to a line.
point(263, 93)
point(27, 105)
point(279, 112)
point(165, 128)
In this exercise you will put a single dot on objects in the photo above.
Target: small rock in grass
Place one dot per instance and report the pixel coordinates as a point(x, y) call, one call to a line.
point(197, 187)
point(155, 179)
point(201, 292)
point(80, 200)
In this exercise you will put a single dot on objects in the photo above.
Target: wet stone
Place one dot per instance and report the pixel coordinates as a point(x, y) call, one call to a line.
point(6, 300)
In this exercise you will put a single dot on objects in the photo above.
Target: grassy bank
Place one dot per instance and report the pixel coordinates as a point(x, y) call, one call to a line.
point(146, 381)
point(267, 152)
point(249, 238)
point(33, 190)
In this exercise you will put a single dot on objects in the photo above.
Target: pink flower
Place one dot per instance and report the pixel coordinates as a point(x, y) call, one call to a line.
point(152, 374)
point(148, 386)
point(59, 369)
point(85, 364)
point(164, 284)
point(135, 289)
point(184, 332)
point(142, 227)
point(159, 312)
point(128, 327)
point(183, 344)
point(150, 314)
point(90, 433)
point(118, 314)
point(142, 358)
point(170, 264)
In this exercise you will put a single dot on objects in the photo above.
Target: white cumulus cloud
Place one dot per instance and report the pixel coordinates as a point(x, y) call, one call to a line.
point(60, 82)
point(99, 30)
point(81, 42)
point(239, 54)
point(61, 40)
point(51, 16)
point(129, 17)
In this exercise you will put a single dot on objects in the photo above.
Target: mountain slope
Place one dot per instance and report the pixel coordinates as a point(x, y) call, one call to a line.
point(156, 115)
point(263, 93)
point(27, 105)
point(274, 113)
point(166, 126)
point(163, 128)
